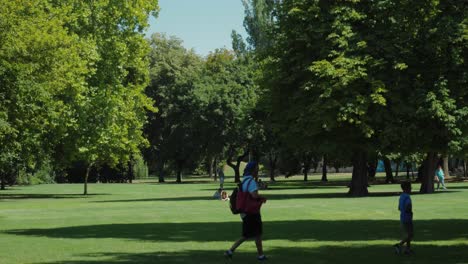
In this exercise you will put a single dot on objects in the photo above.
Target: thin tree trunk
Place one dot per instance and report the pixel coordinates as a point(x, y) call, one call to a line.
point(397, 169)
point(215, 172)
point(161, 171)
point(210, 168)
point(179, 176)
point(446, 166)
point(306, 164)
point(372, 170)
point(407, 170)
point(179, 171)
point(324, 169)
point(130, 171)
point(272, 161)
point(388, 171)
point(428, 173)
point(236, 166)
point(464, 168)
point(2, 181)
point(88, 168)
point(358, 186)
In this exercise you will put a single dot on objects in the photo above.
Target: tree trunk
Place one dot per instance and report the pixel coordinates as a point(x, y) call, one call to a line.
point(358, 186)
point(464, 168)
point(236, 166)
point(2, 181)
point(372, 169)
point(428, 173)
point(388, 171)
point(397, 169)
point(130, 171)
point(324, 169)
point(179, 171)
point(215, 172)
point(306, 164)
point(179, 176)
point(445, 166)
point(210, 168)
point(161, 171)
point(305, 171)
point(88, 168)
point(272, 159)
point(337, 169)
point(407, 170)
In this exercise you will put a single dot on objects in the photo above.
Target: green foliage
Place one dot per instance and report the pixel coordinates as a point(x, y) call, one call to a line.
point(140, 168)
point(173, 131)
point(42, 66)
point(72, 77)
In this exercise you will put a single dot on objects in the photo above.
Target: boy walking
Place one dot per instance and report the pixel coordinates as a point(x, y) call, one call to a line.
point(406, 219)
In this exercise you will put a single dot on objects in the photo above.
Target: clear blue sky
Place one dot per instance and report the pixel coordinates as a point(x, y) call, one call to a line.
point(202, 24)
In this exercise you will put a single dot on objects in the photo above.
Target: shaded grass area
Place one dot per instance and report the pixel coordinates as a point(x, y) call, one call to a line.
point(170, 223)
point(327, 254)
point(294, 230)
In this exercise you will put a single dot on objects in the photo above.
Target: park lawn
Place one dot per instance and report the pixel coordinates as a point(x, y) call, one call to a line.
point(181, 223)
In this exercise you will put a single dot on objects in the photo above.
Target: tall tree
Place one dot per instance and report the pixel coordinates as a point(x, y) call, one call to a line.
point(42, 69)
point(109, 114)
point(174, 131)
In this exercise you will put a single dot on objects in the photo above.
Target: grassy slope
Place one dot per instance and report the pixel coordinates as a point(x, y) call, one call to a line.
point(170, 223)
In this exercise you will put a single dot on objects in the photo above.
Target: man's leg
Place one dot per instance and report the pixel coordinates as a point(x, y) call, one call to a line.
point(237, 243)
point(228, 253)
point(258, 243)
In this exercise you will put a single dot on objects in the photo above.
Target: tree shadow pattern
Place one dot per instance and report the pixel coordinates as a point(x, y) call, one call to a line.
point(19, 196)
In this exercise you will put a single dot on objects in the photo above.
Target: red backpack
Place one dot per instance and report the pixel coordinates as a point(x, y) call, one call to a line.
point(245, 203)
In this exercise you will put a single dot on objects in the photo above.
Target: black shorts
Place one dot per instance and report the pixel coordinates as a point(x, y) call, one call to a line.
point(252, 225)
point(408, 230)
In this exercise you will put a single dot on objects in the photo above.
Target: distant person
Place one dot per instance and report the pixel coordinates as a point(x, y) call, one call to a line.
point(440, 178)
point(252, 226)
point(406, 219)
point(224, 196)
point(221, 177)
point(217, 194)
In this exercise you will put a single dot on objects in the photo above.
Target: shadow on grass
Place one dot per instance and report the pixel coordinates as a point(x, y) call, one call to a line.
point(382, 254)
point(164, 199)
point(267, 194)
point(300, 230)
point(15, 196)
point(450, 187)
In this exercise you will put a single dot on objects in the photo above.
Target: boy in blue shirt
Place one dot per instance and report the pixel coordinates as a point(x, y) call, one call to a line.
point(406, 218)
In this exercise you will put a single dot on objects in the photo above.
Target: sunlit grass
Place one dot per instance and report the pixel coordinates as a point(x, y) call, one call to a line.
point(180, 223)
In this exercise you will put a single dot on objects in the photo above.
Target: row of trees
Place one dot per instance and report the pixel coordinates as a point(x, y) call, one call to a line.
point(341, 82)
point(205, 106)
point(365, 78)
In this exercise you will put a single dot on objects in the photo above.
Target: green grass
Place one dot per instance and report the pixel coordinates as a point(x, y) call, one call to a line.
point(180, 223)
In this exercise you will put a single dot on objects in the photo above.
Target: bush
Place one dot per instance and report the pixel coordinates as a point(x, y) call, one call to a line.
point(140, 169)
point(43, 175)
